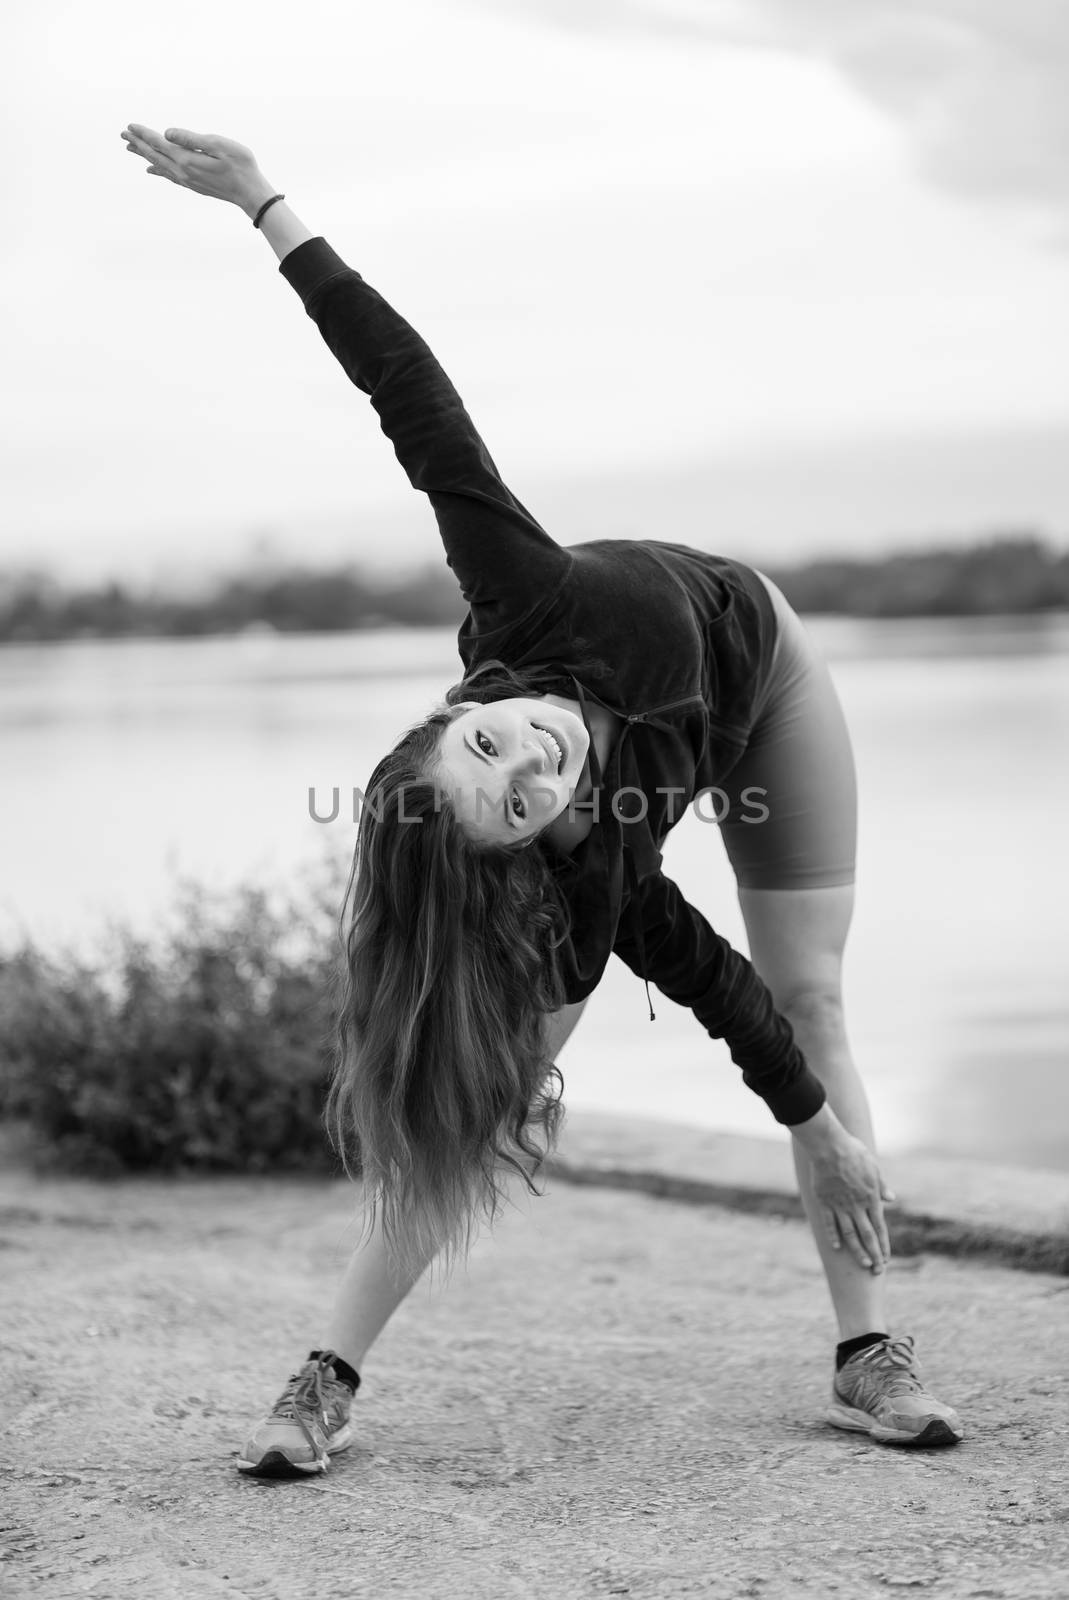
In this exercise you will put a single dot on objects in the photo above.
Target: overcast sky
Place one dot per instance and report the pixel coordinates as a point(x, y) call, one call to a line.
point(766, 276)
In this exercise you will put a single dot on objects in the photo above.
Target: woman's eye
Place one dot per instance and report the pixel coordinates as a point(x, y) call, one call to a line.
point(518, 807)
point(485, 744)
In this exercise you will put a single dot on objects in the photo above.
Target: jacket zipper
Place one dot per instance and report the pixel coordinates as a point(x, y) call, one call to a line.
point(655, 711)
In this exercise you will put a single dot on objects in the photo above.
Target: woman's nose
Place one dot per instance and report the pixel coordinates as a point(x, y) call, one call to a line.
point(532, 756)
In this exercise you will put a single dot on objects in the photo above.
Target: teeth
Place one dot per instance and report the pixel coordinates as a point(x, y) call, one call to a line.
point(553, 743)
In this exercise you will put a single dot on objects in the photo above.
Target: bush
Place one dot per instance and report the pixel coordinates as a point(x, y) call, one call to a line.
point(206, 1049)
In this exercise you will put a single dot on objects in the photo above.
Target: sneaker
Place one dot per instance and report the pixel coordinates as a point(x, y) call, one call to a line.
point(879, 1392)
point(308, 1424)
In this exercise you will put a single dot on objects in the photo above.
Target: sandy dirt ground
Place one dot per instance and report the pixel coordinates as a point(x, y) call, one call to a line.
point(620, 1396)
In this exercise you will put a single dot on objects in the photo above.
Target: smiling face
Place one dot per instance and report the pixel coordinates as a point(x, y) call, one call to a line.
point(511, 766)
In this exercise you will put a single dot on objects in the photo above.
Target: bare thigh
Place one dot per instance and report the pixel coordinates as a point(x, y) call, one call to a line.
point(797, 938)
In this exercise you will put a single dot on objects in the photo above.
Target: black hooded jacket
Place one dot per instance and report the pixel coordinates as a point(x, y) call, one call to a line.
point(683, 639)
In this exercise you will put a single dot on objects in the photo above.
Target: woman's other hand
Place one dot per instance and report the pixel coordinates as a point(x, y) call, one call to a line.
point(849, 1189)
point(206, 163)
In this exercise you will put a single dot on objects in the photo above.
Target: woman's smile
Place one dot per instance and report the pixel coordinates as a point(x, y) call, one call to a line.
point(556, 751)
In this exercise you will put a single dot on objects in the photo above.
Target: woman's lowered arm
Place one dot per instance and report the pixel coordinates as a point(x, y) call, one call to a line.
point(692, 964)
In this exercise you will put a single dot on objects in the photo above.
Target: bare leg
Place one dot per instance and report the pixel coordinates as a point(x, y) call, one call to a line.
point(796, 944)
point(371, 1288)
point(369, 1293)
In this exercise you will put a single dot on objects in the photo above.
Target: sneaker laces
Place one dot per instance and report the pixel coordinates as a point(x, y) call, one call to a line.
point(893, 1359)
point(303, 1401)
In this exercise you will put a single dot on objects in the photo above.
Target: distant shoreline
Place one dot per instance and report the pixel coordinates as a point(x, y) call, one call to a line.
point(1012, 577)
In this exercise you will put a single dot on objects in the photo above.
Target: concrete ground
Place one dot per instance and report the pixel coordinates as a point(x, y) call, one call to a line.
point(622, 1395)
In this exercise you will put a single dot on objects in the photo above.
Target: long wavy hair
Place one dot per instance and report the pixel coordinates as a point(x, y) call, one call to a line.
point(441, 1084)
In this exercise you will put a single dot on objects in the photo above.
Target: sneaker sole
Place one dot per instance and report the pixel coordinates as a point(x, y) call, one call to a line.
point(936, 1433)
point(277, 1464)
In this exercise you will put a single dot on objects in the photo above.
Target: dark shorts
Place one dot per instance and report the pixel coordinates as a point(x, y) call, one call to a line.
point(799, 752)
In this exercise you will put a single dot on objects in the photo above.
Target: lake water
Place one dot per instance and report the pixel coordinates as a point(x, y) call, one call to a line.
point(125, 763)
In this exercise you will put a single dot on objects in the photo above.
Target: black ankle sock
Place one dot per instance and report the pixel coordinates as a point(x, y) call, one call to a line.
point(342, 1370)
point(850, 1347)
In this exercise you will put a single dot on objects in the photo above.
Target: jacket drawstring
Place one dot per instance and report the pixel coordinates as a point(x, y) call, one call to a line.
point(636, 924)
point(629, 860)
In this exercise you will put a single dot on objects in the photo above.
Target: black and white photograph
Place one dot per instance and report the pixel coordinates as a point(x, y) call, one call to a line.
point(534, 706)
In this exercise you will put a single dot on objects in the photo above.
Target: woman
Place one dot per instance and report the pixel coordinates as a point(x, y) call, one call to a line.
point(511, 843)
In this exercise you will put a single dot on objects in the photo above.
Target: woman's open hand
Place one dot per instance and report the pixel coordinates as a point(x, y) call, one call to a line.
point(851, 1192)
point(204, 162)
point(848, 1189)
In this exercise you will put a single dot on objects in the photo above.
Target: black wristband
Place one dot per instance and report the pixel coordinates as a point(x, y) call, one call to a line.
point(263, 208)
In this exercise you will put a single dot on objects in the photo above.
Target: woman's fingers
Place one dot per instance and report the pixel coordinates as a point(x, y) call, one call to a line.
point(863, 1240)
point(879, 1222)
point(867, 1244)
point(142, 146)
point(198, 143)
point(831, 1227)
point(870, 1239)
point(146, 138)
point(174, 160)
point(850, 1238)
point(848, 1227)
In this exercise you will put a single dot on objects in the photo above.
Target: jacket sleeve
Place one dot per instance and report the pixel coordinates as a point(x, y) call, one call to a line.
point(503, 560)
point(691, 964)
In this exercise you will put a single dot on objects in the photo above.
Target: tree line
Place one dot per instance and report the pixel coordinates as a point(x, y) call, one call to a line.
point(1015, 574)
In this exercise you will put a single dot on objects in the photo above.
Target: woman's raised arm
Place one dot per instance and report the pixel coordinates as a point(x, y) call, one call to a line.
point(506, 564)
